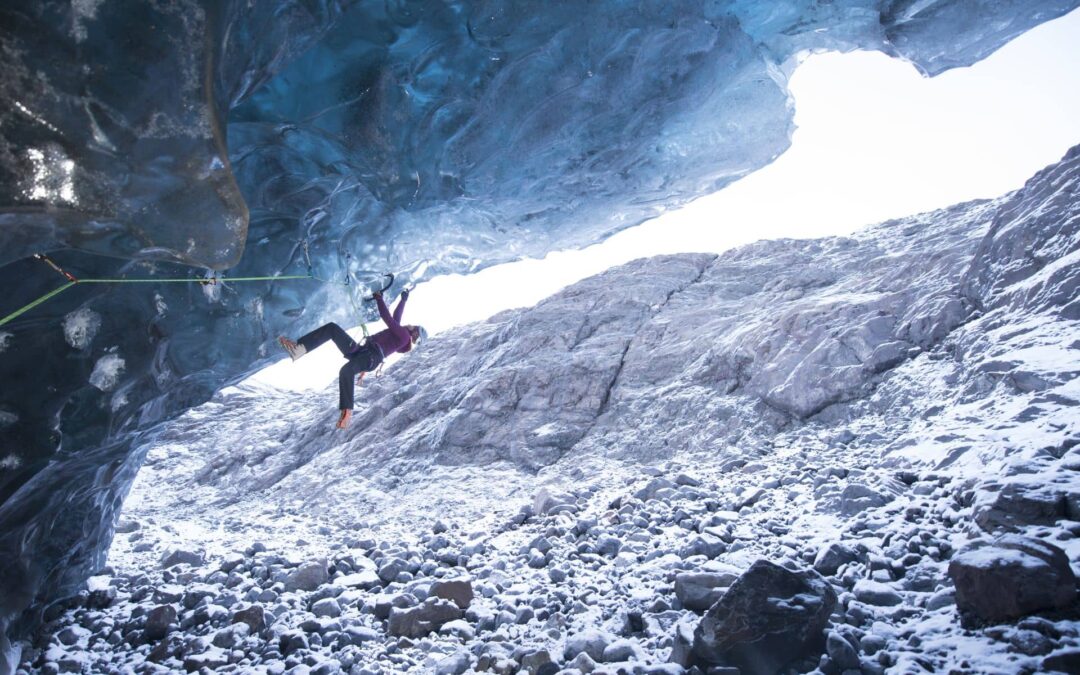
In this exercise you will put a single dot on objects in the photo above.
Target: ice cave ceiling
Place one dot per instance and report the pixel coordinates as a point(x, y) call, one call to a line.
point(173, 137)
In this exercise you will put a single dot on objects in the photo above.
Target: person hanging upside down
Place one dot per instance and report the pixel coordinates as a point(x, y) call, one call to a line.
point(362, 358)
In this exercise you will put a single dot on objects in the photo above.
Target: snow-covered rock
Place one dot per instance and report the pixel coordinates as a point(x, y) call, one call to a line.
point(770, 617)
point(1010, 577)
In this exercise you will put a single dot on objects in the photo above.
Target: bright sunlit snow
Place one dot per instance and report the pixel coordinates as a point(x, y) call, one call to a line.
point(875, 140)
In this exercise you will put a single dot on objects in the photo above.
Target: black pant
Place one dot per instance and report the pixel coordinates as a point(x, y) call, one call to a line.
point(361, 359)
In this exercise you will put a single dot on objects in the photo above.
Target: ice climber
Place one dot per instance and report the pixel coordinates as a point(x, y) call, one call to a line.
point(363, 358)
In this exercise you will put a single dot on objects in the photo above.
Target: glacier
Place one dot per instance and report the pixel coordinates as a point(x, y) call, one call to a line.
point(186, 138)
point(885, 414)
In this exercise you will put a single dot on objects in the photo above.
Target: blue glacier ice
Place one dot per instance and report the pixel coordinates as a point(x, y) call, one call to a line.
point(177, 137)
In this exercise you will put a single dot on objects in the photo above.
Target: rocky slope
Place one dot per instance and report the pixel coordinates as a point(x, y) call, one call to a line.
point(850, 455)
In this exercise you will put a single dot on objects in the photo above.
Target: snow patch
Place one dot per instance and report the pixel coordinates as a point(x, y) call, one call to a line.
point(81, 326)
point(119, 400)
point(107, 372)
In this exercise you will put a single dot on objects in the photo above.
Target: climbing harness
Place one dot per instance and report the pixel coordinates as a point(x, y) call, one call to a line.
point(72, 280)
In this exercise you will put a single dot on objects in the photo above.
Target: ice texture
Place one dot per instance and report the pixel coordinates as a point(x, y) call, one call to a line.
point(422, 137)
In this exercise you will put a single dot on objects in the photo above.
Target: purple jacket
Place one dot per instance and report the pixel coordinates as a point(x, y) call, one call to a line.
point(396, 337)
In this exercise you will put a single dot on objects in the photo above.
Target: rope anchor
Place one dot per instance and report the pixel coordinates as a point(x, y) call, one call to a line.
point(67, 275)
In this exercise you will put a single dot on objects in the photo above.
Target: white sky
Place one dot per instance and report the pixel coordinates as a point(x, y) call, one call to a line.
point(875, 140)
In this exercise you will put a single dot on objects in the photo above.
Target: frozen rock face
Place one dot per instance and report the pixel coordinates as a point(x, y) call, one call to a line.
point(421, 136)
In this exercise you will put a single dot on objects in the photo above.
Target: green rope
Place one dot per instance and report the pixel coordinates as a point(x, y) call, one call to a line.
point(37, 302)
point(185, 280)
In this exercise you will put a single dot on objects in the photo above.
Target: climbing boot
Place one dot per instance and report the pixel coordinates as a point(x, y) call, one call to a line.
point(343, 421)
point(295, 350)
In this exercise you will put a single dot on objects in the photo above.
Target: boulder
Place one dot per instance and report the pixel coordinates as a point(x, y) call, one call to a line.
point(327, 607)
point(307, 577)
point(458, 591)
point(769, 617)
point(834, 556)
point(589, 641)
point(545, 501)
point(842, 652)
point(1010, 577)
point(454, 664)
point(253, 616)
point(179, 556)
point(158, 621)
point(857, 497)
point(391, 568)
point(364, 579)
point(652, 487)
point(1063, 661)
point(876, 593)
point(1019, 503)
point(429, 616)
